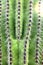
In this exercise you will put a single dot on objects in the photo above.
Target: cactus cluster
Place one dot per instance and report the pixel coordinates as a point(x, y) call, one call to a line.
point(21, 32)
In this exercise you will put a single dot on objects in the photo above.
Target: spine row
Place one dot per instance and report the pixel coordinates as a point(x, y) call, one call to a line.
point(8, 33)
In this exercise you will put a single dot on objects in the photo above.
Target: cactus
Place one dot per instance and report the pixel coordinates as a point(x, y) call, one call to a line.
point(27, 38)
point(7, 33)
point(21, 32)
point(38, 40)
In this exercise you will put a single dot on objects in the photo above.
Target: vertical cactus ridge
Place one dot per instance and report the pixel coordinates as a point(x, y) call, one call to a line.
point(18, 19)
point(0, 33)
point(38, 38)
point(28, 33)
point(18, 25)
point(8, 39)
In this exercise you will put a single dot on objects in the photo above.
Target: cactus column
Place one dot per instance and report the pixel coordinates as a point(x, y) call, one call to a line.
point(27, 38)
point(18, 24)
point(8, 33)
point(0, 33)
point(38, 38)
point(18, 33)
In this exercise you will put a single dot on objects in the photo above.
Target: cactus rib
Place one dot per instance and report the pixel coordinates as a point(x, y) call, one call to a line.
point(8, 33)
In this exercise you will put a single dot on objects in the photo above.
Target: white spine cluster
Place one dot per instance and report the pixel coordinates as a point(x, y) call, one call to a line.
point(8, 33)
point(27, 38)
